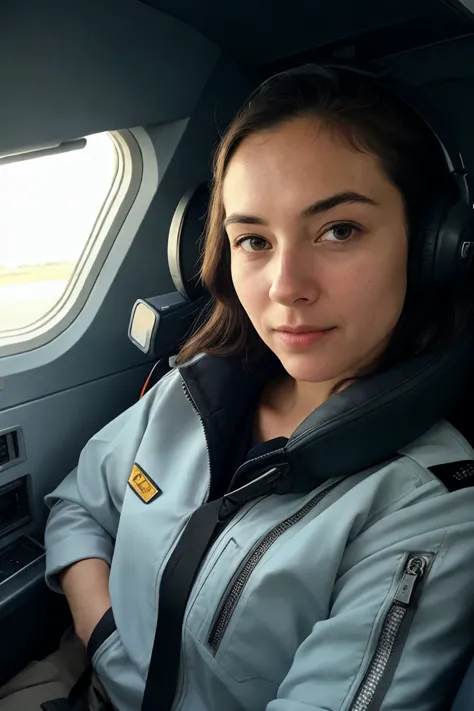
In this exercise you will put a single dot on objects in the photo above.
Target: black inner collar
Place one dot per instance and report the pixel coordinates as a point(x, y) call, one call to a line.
point(226, 392)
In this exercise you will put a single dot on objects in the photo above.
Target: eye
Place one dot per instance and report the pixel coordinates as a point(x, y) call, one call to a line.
point(342, 232)
point(252, 243)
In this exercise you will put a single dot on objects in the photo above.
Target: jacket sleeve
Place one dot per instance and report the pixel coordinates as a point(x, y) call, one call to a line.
point(393, 640)
point(86, 506)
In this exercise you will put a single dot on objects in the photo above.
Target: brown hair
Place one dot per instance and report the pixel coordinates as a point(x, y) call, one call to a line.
point(371, 119)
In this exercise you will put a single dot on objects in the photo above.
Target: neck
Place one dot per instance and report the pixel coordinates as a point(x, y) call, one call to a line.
point(293, 400)
point(286, 402)
point(302, 397)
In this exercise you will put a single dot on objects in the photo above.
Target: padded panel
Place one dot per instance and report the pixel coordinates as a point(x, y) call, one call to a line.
point(264, 31)
point(77, 68)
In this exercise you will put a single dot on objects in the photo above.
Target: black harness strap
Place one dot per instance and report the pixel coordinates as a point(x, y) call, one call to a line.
point(176, 585)
point(77, 699)
point(177, 582)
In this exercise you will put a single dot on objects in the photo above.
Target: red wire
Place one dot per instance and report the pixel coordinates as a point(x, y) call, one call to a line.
point(147, 381)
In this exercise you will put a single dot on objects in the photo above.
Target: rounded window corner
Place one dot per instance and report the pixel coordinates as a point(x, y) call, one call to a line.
point(84, 192)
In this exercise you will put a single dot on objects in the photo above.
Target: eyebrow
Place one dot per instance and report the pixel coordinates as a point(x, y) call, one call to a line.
point(316, 208)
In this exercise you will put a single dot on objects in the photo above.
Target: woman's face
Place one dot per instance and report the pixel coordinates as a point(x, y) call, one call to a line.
point(318, 244)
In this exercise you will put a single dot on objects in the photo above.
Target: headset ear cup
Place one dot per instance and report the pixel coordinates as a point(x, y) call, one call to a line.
point(456, 228)
point(423, 244)
point(436, 258)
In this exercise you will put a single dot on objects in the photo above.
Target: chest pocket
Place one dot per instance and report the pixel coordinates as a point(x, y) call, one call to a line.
point(252, 611)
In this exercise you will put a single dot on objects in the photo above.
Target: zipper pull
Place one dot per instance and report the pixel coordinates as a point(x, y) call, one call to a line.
point(414, 571)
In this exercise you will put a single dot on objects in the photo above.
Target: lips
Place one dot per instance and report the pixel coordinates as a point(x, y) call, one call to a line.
point(301, 336)
point(301, 329)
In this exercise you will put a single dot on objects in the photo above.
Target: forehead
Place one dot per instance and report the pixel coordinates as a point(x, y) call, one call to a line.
point(296, 164)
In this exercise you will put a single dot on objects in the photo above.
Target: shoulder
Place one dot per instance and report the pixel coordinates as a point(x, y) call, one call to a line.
point(161, 400)
point(416, 483)
point(416, 463)
point(441, 444)
point(165, 394)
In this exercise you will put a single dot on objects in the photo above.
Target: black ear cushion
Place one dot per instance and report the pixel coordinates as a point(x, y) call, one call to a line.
point(185, 241)
point(457, 228)
point(436, 249)
point(423, 244)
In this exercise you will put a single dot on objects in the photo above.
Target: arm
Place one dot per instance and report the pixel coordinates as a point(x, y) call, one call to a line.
point(86, 586)
point(86, 506)
point(418, 627)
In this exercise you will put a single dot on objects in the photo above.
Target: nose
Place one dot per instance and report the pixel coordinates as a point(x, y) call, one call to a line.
point(293, 278)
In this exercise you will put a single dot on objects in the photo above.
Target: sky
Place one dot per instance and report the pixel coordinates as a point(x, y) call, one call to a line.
point(48, 205)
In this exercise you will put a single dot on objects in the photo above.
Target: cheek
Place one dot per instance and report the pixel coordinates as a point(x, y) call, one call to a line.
point(375, 294)
point(248, 285)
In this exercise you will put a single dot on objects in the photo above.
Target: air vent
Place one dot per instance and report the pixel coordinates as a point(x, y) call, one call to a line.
point(4, 451)
point(14, 505)
point(9, 448)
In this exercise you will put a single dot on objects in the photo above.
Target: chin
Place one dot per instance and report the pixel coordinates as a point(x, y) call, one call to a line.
point(311, 369)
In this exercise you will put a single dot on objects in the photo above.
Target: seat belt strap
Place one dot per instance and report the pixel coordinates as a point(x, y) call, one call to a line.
point(176, 584)
point(178, 579)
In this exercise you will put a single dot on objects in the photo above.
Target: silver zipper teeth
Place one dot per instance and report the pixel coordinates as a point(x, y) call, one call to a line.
point(193, 405)
point(414, 573)
point(381, 658)
point(227, 610)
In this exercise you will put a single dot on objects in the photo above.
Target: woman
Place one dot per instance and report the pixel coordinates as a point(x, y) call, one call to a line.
point(334, 596)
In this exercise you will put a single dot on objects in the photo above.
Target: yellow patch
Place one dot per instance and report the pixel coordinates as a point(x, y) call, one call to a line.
point(142, 485)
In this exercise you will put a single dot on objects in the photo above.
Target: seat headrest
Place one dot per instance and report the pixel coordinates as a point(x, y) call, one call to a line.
point(185, 241)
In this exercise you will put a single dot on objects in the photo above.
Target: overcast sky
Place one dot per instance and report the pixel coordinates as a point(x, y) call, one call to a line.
point(48, 205)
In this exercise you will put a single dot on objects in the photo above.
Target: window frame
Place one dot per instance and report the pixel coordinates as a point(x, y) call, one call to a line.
point(120, 198)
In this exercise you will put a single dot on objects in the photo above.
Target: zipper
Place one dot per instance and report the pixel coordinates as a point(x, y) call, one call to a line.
point(190, 399)
point(393, 635)
point(237, 585)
